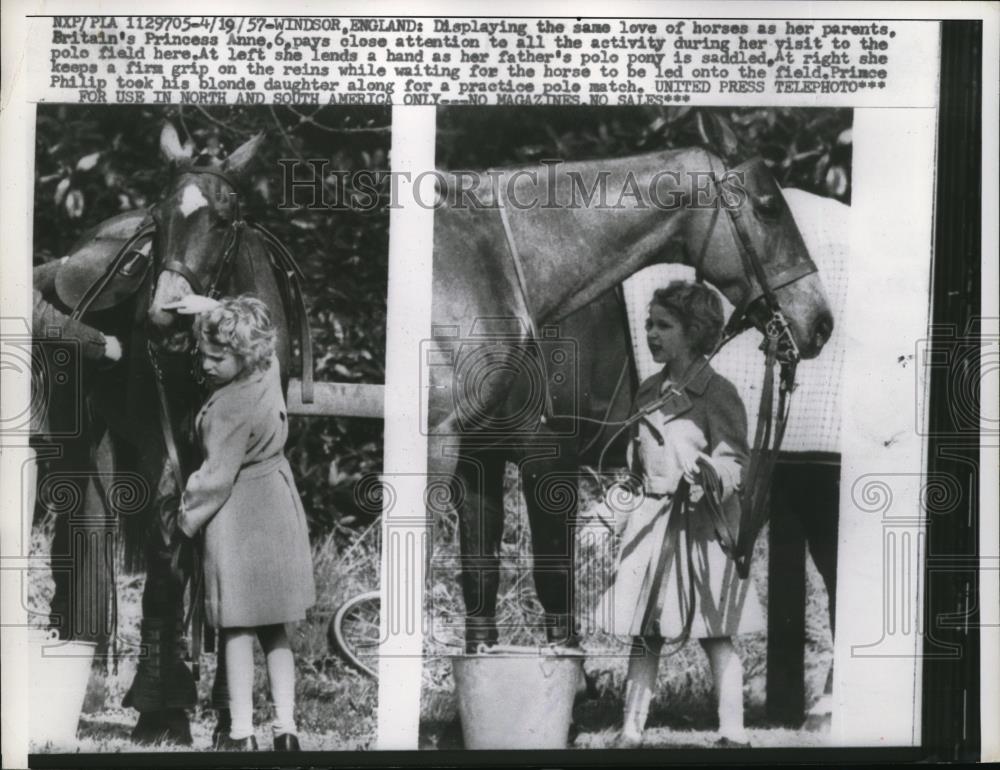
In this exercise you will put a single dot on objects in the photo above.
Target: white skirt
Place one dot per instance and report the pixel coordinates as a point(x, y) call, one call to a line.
point(724, 604)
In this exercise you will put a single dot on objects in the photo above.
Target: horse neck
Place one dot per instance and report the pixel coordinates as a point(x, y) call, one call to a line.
point(571, 254)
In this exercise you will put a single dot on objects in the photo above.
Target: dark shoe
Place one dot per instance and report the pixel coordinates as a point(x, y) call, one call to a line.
point(242, 744)
point(286, 742)
point(223, 724)
point(166, 726)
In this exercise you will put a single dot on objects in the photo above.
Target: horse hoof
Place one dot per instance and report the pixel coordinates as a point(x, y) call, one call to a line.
point(169, 726)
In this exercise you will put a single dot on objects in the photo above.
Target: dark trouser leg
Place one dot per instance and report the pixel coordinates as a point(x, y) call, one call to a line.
point(821, 521)
point(821, 533)
point(83, 544)
point(480, 486)
point(163, 686)
point(552, 498)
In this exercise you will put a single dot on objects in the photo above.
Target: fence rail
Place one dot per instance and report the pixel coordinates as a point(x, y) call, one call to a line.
point(342, 399)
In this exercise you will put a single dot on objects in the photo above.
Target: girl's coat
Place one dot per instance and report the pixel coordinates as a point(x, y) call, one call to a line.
point(707, 415)
point(258, 563)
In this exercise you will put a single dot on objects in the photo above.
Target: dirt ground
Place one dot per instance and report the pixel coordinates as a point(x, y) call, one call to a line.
point(683, 710)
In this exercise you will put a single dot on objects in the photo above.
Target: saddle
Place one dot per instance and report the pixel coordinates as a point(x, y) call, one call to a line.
point(92, 255)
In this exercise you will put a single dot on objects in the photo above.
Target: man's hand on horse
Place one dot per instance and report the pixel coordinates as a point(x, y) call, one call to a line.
point(112, 348)
point(192, 304)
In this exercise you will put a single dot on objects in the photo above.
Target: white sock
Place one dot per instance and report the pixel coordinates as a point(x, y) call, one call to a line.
point(727, 676)
point(281, 674)
point(640, 684)
point(239, 678)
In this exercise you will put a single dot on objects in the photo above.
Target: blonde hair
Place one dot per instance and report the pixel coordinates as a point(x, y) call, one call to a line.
point(243, 325)
point(699, 310)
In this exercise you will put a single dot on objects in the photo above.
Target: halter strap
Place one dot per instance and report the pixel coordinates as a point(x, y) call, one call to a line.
point(515, 256)
point(186, 273)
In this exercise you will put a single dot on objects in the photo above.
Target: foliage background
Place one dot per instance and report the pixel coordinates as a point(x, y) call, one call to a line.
point(809, 149)
point(94, 162)
point(805, 148)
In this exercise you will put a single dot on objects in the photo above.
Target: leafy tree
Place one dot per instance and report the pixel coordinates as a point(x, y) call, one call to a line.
point(805, 148)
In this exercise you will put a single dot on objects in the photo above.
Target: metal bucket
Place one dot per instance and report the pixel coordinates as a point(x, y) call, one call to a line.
point(58, 672)
point(517, 697)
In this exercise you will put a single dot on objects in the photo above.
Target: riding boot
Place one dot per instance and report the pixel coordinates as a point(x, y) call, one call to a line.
point(480, 632)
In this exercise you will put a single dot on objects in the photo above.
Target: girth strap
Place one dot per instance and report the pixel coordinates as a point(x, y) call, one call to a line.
point(522, 284)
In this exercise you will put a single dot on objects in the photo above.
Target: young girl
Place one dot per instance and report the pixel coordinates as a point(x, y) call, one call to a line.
point(258, 563)
point(702, 418)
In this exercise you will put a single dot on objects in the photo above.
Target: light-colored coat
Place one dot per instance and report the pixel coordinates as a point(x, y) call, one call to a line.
point(258, 563)
point(707, 415)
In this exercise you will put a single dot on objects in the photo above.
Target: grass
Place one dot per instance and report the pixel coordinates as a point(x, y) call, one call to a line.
point(335, 706)
point(683, 710)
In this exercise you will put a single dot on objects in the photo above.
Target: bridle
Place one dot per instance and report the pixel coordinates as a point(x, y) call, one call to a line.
point(290, 278)
point(231, 247)
point(286, 269)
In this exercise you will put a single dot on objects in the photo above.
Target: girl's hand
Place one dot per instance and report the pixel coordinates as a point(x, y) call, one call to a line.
point(192, 304)
point(689, 464)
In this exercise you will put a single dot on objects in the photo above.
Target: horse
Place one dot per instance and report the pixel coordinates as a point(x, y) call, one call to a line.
point(194, 240)
point(530, 359)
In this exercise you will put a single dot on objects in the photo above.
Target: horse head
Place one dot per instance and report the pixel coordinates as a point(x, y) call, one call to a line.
point(198, 224)
point(749, 221)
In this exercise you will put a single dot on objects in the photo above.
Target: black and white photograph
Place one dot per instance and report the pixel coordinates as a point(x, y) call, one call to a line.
point(611, 570)
point(388, 385)
point(209, 325)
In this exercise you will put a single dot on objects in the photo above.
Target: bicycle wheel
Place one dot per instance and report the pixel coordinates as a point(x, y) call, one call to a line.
point(354, 633)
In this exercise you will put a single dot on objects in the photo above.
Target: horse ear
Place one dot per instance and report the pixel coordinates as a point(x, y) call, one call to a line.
point(170, 145)
point(240, 158)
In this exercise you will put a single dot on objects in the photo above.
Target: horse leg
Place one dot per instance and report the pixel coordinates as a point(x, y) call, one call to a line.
point(551, 495)
point(478, 486)
point(163, 686)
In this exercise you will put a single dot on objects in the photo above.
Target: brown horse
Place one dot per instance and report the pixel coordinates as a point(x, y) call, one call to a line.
point(530, 359)
point(199, 244)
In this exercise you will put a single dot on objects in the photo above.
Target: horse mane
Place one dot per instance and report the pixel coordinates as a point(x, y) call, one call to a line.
point(484, 187)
